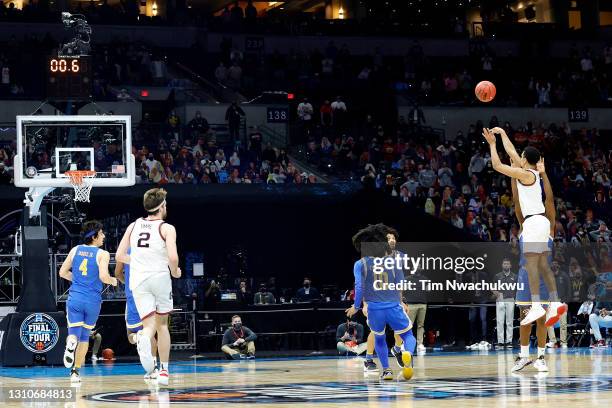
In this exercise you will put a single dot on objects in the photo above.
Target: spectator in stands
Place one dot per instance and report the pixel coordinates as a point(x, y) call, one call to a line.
point(5, 176)
point(221, 73)
point(263, 296)
point(349, 339)
point(250, 13)
point(307, 293)
point(326, 113)
point(304, 112)
point(339, 112)
point(198, 125)
point(601, 318)
point(416, 117)
point(237, 13)
point(244, 294)
point(233, 115)
point(234, 76)
point(504, 311)
point(238, 341)
point(124, 96)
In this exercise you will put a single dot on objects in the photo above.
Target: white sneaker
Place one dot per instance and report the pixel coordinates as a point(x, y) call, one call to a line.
point(563, 346)
point(143, 345)
point(71, 345)
point(421, 349)
point(163, 377)
point(94, 359)
point(152, 376)
point(554, 313)
point(75, 378)
point(540, 364)
point(520, 363)
point(550, 344)
point(535, 312)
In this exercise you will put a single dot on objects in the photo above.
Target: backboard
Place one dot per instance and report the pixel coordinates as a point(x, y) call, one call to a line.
point(48, 146)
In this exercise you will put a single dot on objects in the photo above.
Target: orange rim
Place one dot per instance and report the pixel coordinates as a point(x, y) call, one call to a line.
point(76, 176)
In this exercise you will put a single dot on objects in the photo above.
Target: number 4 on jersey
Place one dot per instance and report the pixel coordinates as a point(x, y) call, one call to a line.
point(83, 267)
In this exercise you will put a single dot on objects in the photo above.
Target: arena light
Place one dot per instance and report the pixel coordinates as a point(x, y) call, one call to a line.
point(144, 93)
point(341, 13)
point(290, 96)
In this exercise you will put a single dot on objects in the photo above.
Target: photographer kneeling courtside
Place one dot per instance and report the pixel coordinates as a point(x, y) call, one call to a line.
point(238, 341)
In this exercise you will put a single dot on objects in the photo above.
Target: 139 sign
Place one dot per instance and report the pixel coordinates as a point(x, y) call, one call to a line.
point(278, 115)
point(578, 115)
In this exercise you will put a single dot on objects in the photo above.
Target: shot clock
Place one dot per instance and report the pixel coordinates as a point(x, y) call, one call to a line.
point(69, 78)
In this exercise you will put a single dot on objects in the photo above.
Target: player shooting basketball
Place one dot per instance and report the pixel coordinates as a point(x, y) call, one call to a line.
point(384, 306)
point(86, 266)
point(153, 253)
point(536, 227)
point(523, 296)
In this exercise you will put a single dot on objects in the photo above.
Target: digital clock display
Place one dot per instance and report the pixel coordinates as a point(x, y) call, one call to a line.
point(69, 78)
point(64, 65)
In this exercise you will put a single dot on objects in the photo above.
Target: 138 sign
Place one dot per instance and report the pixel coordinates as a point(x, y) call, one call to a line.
point(578, 115)
point(278, 115)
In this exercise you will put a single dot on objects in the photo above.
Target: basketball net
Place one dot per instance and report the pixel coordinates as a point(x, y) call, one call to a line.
point(82, 182)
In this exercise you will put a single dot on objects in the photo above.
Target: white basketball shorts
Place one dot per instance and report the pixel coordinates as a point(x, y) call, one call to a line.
point(536, 234)
point(154, 295)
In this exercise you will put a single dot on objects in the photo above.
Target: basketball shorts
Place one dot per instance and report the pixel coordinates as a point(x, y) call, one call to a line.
point(535, 235)
point(154, 295)
point(82, 317)
point(132, 318)
point(394, 316)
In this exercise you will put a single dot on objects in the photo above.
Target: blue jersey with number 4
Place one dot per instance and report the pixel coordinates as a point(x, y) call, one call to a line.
point(86, 284)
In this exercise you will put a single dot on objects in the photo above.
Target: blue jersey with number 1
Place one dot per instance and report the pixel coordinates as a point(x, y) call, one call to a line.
point(86, 284)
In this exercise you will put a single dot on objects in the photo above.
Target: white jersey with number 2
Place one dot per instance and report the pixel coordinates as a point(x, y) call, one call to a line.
point(148, 253)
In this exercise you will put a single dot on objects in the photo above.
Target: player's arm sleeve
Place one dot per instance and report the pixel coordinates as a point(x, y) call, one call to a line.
point(65, 270)
point(358, 284)
point(122, 251)
point(250, 334)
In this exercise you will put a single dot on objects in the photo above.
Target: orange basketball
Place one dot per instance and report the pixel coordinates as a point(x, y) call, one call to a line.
point(485, 91)
point(108, 354)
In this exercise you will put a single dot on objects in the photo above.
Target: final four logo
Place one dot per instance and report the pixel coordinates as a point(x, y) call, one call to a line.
point(39, 333)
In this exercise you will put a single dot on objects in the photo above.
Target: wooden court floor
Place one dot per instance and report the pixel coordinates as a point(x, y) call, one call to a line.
point(576, 378)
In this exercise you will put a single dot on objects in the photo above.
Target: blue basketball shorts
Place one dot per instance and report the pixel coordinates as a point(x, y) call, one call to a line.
point(82, 317)
point(394, 316)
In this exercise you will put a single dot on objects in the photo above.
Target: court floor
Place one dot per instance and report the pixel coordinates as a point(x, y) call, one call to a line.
point(577, 378)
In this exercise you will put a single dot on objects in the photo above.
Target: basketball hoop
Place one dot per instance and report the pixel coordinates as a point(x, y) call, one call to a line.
point(82, 181)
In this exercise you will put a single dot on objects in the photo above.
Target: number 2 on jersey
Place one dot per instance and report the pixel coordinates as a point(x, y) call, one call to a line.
point(83, 267)
point(142, 241)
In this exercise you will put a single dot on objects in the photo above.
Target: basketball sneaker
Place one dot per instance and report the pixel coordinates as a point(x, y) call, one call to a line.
point(407, 365)
point(554, 313)
point(520, 363)
point(71, 345)
point(387, 375)
point(369, 366)
point(143, 345)
point(540, 364)
point(152, 376)
point(535, 312)
point(397, 353)
point(421, 349)
point(75, 378)
point(163, 377)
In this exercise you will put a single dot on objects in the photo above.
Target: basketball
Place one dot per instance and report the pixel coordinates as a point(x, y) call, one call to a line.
point(108, 354)
point(485, 91)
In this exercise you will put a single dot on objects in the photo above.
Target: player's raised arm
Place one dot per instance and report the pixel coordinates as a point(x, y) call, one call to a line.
point(66, 268)
point(524, 176)
point(515, 198)
point(173, 260)
point(122, 252)
point(103, 261)
point(508, 146)
point(549, 202)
